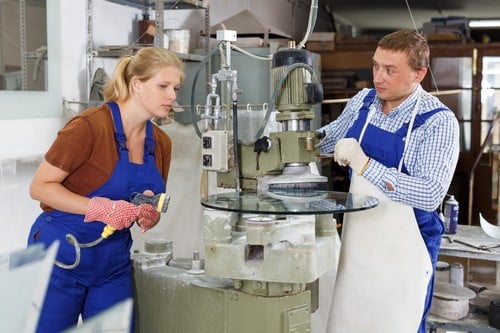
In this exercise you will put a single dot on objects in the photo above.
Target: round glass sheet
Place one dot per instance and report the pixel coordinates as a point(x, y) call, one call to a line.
point(290, 202)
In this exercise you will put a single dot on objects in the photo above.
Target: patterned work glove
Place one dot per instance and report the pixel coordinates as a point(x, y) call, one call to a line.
point(148, 217)
point(118, 214)
point(349, 152)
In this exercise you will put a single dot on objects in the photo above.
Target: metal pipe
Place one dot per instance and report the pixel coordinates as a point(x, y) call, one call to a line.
point(434, 93)
point(476, 162)
point(235, 147)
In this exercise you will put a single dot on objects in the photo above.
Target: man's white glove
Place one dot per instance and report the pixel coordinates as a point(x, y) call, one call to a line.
point(349, 152)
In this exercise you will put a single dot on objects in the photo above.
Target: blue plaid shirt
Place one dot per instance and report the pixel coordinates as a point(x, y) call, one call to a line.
point(430, 157)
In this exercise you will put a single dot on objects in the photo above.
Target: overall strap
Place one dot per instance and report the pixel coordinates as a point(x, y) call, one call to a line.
point(120, 137)
point(357, 129)
point(368, 100)
point(420, 119)
point(364, 113)
point(149, 142)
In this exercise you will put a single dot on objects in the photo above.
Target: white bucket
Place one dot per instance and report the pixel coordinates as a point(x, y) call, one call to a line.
point(177, 40)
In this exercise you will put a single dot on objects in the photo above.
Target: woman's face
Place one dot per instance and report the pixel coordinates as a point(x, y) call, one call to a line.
point(158, 94)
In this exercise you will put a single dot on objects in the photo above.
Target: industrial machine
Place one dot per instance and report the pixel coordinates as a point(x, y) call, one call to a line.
point(260, 156)
point(271, 235)
point(260, 253)
point(265, 254)
point(269, 232)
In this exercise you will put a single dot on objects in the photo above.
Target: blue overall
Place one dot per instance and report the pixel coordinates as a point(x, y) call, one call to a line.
point(387, 148)
point(103, 278)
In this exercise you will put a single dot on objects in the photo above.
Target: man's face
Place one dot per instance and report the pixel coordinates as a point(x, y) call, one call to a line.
point(393, 78)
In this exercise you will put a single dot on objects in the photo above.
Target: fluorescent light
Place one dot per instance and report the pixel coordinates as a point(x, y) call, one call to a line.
point(485, 23)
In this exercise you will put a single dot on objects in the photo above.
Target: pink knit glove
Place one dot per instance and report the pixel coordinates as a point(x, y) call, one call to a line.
point(148, 217)
point(118, 214)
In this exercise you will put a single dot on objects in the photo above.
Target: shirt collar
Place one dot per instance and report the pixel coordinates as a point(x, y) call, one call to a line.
point(408, 103)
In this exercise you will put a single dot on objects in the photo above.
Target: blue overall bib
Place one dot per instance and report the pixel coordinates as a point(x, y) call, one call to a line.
point(387, 148)
point(103, 277)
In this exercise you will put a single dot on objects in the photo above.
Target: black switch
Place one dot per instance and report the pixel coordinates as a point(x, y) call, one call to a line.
point(207, 160)
point(207, 142)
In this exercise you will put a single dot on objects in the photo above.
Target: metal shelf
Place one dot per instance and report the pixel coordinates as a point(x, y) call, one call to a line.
point(159, 8)
point(167, 4)
point(116, 51)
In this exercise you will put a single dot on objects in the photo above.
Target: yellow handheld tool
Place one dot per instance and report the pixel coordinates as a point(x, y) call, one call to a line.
point(107, 231)
point(159, 201)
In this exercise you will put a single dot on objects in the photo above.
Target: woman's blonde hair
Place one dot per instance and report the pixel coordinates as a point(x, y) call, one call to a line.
point(143, 65)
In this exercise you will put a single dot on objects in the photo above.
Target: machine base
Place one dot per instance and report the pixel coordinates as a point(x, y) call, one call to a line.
point(173, 299)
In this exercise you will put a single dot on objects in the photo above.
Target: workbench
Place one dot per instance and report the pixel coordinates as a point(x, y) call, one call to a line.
point(475, 237)
point(472, 235)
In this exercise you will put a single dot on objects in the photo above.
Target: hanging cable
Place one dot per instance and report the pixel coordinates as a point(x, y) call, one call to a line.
point(433, 79)
point(313, 13)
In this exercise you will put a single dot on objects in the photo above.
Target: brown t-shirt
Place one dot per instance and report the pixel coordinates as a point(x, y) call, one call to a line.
point(86, 148)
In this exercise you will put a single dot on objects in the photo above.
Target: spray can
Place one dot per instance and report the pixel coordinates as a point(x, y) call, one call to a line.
point(450, 212)
point(457, 274)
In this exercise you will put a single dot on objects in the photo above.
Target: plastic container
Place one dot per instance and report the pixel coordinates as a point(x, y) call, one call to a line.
point(442, 272)
point(177, 40)
point(457, 274)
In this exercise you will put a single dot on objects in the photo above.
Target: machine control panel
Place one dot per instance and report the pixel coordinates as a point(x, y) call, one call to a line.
point(216, 146)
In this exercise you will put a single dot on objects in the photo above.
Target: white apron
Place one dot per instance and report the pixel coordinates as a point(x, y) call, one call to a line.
point(384, 268)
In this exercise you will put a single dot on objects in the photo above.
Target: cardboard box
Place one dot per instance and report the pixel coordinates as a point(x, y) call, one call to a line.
point(321, 41)
point(322, 37)
point(320, 46)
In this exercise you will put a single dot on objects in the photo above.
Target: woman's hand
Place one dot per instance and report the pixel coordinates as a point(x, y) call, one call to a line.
point(148, 216)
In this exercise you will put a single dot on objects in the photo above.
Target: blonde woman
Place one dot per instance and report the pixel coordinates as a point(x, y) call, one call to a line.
point(98, 161)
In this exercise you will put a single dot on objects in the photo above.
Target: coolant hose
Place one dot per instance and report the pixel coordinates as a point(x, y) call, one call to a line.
point(73, 241)
point(235, 147)
point(313, 13)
